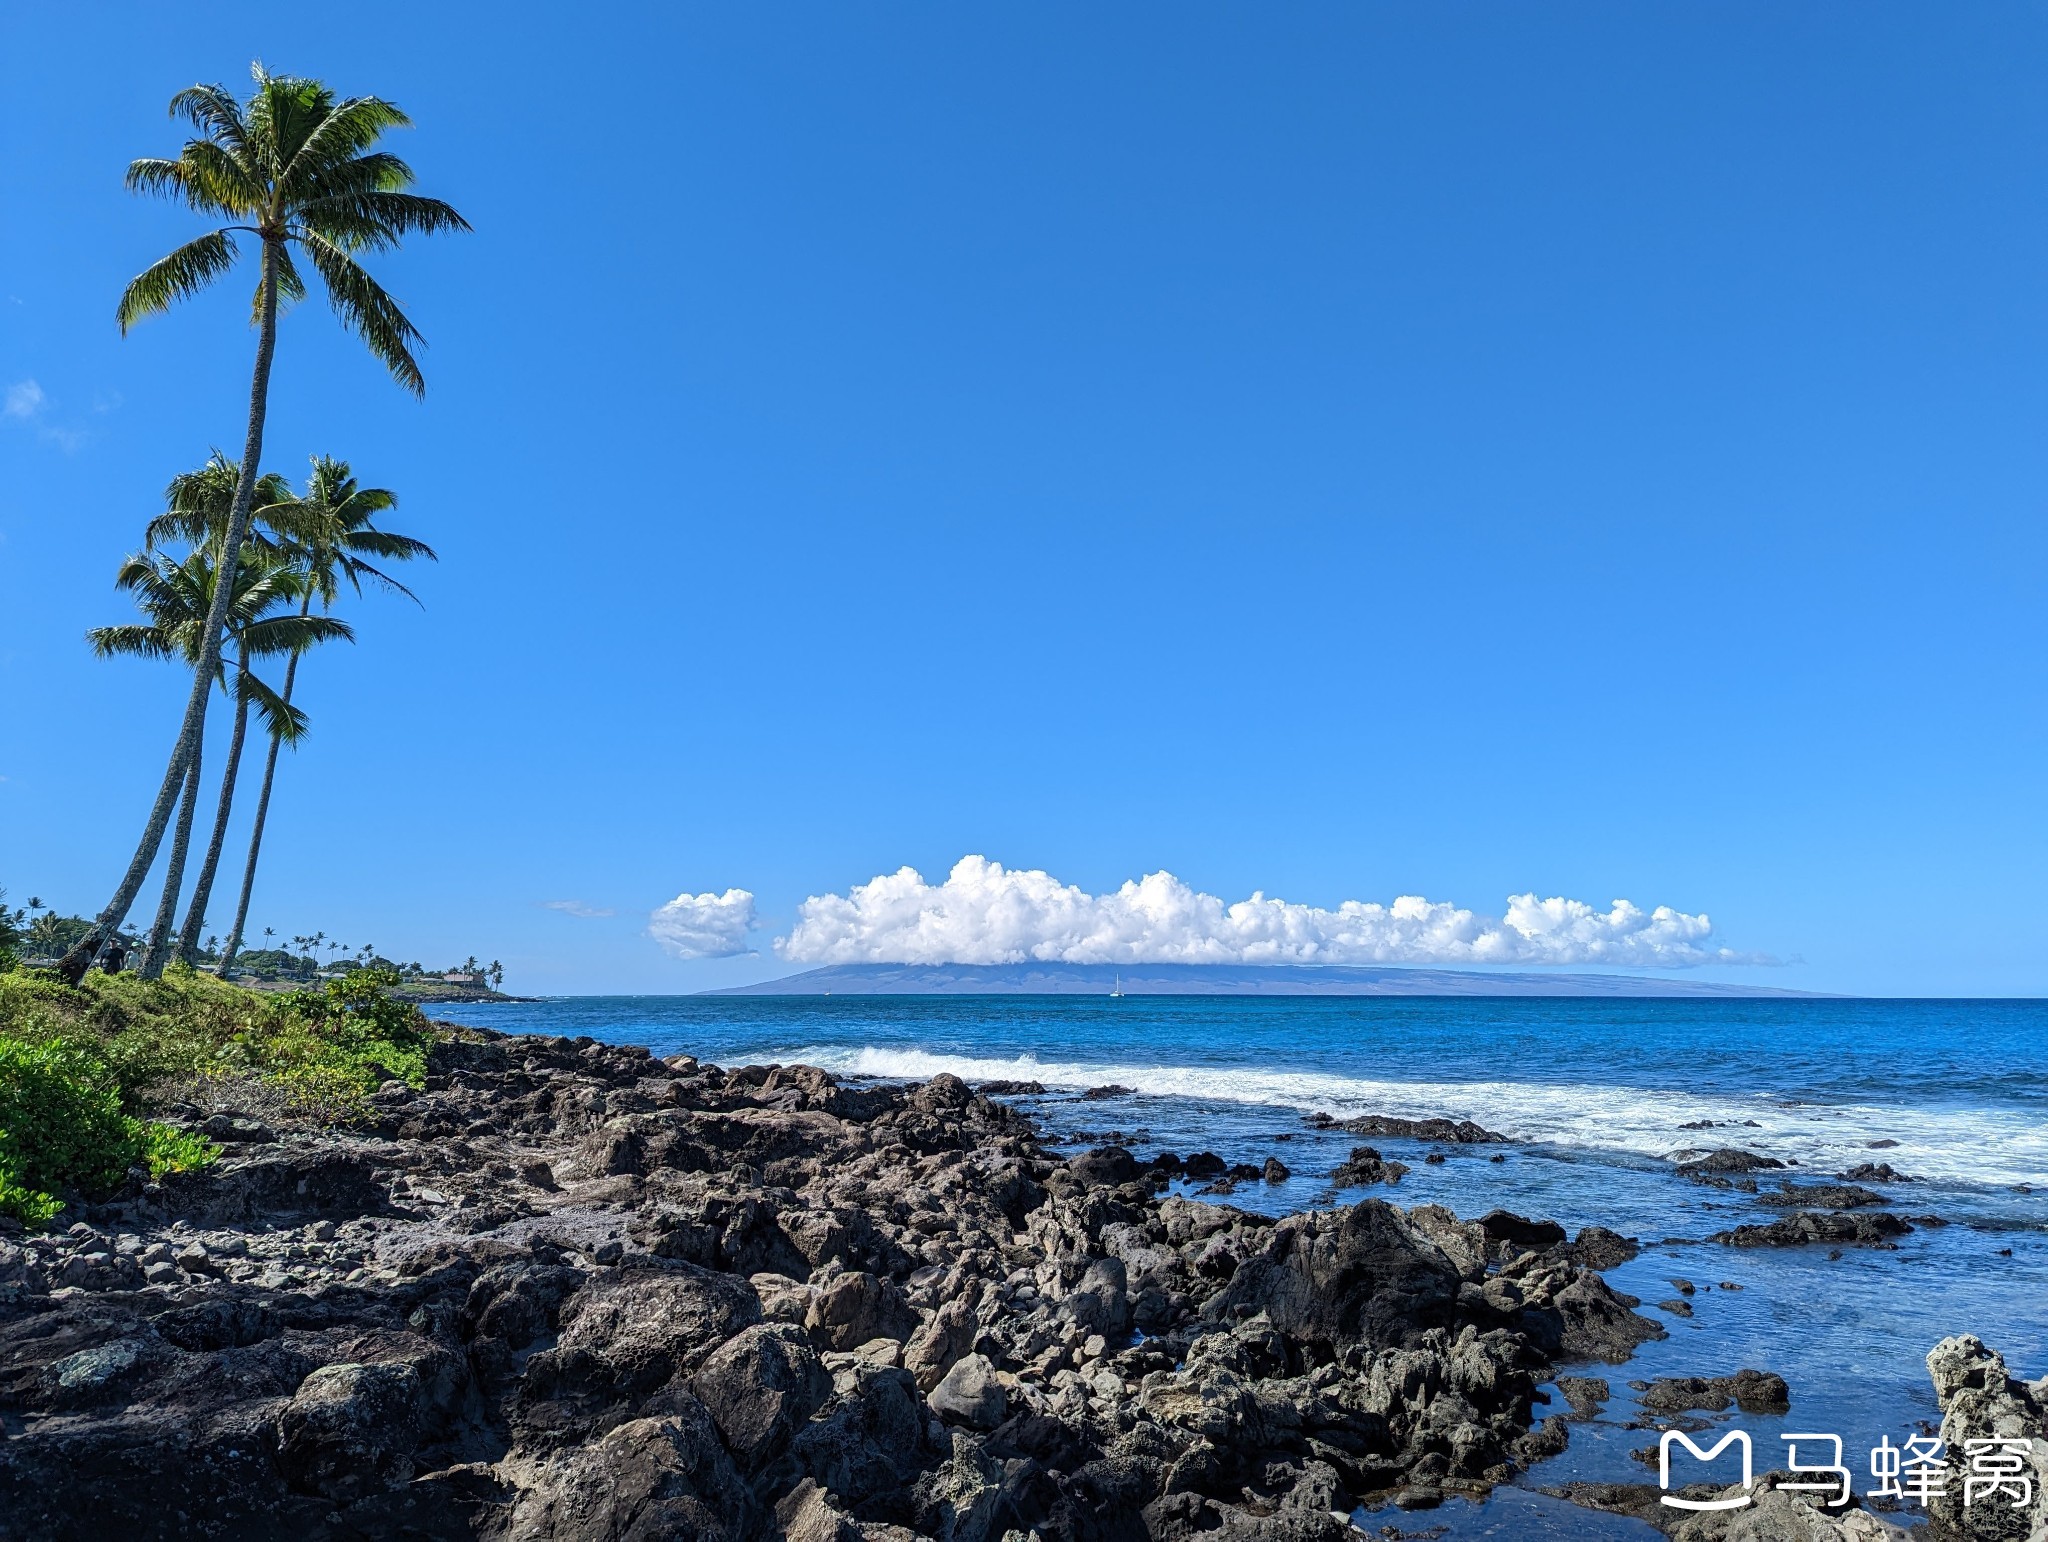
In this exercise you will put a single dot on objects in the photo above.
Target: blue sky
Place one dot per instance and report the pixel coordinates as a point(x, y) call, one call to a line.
point(1339, 452)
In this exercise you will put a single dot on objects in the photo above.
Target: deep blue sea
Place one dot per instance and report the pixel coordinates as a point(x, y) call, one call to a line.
point(1596, 1094)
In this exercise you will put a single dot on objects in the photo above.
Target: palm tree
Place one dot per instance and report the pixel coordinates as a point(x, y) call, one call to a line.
point(197, 508)
point(179, 598)
point(296, 168)
point(331, 533)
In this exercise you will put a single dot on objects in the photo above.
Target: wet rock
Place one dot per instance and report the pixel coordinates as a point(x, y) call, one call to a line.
point(1505, 1228)
point(1812, 1226)
point(1728, 1159)
point(1104, 1167)
point(1366, 1166)
point(1829, 1196)
point(1598, 1323)
point(1596, 1247)
point(1754, 1392)
point(1585, 1394)
point(1461, 1132)
point(1875, 1172)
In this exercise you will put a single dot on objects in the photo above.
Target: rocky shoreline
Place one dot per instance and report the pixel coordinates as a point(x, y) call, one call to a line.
point(572, 1290)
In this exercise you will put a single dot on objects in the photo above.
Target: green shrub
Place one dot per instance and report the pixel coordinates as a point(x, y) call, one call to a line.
point(62, 1129)
point(373, 1036)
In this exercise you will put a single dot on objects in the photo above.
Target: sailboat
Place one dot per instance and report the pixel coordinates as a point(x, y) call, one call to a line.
point(1117, 989)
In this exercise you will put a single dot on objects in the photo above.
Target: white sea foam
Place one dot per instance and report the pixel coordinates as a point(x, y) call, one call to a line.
point(1947, 1144)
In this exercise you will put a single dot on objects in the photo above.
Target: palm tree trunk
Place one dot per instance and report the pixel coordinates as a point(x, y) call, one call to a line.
point(78, 958)
point(157, 950)
point(202, 889)
point(234, 944)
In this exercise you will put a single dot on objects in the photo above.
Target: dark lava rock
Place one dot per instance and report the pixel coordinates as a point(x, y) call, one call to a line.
point(1105, 1166)
point(1011, 1089)
point(1366, 1166)
point(760, 1387)
point(1507, 1228)
point(1113, 1090)
point(233, 1129)
point(1875, 1172)
point(1754, 1392)
point(1585, 1394)
point(1728, 1159)
point(1275, 1171)
point(1358, 1275)
point(1596, 1247)
point(350, 1430)
point(570, 1290)
point(1829, 1196)
point(1811, 1226)
point(1459, 1132)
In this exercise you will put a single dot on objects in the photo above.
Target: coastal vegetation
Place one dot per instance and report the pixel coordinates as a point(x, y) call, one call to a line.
point(85, 1070)
point(303, 172)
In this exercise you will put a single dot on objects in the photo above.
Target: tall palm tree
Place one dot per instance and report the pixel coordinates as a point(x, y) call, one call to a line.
point(298, 169)
point(178, 597)
point(197, 507)
point(330, 532)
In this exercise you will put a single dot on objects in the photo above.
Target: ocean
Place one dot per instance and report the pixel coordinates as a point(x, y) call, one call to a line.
point(1597, 1096)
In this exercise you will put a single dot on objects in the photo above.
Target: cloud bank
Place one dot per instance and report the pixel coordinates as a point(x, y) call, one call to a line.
point(986, 914)
point(704, 925)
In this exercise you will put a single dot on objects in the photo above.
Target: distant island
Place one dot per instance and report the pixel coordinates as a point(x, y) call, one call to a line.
point(1216, 980)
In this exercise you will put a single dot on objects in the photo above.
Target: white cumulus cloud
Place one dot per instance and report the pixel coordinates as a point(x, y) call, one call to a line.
point(985, 913)
point(704, 925)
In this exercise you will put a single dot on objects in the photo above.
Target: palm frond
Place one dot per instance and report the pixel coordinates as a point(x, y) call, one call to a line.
point(213, 111)
point(169, 279)
point(291, 288)
point(361, 303)
point(281, 720)
point(378, 221)
point(349, 128)
point(393, 548)
point(215, 178)
point(134, 640)
point(293, 634)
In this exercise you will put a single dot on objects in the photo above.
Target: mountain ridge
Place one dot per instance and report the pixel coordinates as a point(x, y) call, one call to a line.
point(1051, 979)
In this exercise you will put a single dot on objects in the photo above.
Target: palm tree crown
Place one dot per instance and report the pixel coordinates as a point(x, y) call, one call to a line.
point(177, 597)
point(331, 531)
point(297, 169)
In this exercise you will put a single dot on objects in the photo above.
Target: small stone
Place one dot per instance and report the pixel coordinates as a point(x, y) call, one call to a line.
point(163, 1272)
point(321, 1231)
point(195, 1260)
point(1094, 1347)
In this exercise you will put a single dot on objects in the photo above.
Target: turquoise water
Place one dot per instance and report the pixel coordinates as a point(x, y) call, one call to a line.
point(1595, 1093)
